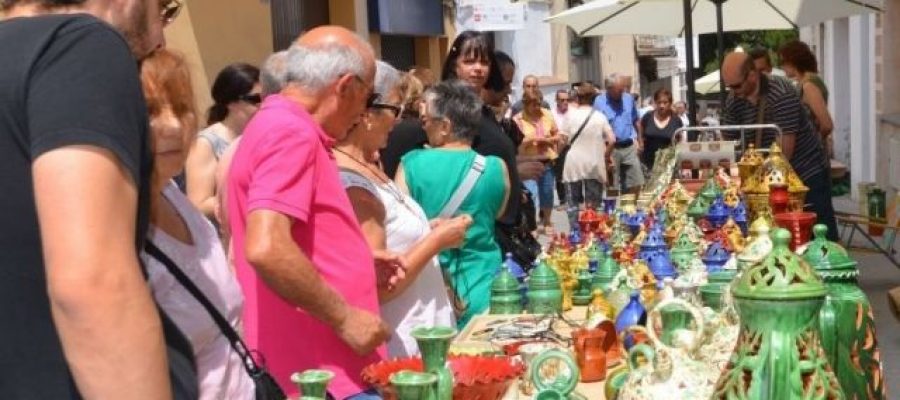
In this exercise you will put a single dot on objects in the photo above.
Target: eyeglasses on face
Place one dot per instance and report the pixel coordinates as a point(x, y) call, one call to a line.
point(252, 98)
point(395, 110)
point(738, 85)
point(169, 10)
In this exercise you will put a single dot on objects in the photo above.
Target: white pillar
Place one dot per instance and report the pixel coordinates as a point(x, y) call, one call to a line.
point(835, 60)
point(863, 144)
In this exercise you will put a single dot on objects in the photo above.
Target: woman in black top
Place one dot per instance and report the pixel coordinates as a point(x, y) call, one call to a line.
point(658, 126)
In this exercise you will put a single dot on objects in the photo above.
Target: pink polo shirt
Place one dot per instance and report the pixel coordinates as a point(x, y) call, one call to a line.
point(284, 163)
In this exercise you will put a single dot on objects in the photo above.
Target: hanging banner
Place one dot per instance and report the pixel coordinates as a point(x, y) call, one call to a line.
point(490, 15)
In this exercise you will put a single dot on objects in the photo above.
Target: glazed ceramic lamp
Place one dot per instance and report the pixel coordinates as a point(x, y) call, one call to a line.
point(313, 383)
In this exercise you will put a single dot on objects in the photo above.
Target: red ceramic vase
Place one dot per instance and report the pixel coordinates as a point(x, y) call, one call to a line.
point(799, 223)
point(779, 198)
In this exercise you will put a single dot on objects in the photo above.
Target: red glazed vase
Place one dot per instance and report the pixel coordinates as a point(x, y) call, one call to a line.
point(779, 198)
point(799, 223)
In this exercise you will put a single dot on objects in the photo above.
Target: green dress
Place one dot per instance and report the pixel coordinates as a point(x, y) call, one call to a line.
point(432, 176)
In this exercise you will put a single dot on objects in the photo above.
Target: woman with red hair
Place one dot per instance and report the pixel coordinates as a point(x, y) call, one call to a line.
point(182, 233)
point(799, 63)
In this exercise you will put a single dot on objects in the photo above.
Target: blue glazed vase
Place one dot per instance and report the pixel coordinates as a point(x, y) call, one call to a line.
point(718, 213)
point(715, 257)
point(632, 314)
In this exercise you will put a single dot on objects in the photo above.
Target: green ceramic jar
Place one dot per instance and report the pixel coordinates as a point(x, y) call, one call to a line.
point(505, 295)
point(544, 290)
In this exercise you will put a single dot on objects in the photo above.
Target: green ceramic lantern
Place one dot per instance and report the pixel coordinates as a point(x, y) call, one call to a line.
point(544, 290)
point(582, 295)
point(505, 295)
point(434, 342)
point(846, 324)
point(710, 191)
point(698, 208)
point(684, 250)
point(605, 274)
point(778, 354)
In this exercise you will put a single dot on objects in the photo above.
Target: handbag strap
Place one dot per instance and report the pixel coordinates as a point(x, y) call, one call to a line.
point(581, 128)
point(464, 188)
point(236, 343)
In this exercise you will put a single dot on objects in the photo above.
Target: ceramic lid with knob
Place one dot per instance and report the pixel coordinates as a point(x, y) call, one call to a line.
point(829, 259)
point(782, 275)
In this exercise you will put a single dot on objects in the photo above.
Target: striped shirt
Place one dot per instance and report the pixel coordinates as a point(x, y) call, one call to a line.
point(785, 109)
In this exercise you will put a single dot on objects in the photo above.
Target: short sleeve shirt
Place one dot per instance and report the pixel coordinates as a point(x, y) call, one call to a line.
point(785, 109)
point(284, 164)
point(65, 80)
point(621, 114)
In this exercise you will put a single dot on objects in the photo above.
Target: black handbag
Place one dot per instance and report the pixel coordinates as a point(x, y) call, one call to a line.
point(266, 386)
point(517, 239)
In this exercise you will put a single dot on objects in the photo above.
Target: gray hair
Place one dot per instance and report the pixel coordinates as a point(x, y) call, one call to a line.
point(386, 78)
point(612, 79)
point(315, 67)
point(274, 73)
point(457, 103)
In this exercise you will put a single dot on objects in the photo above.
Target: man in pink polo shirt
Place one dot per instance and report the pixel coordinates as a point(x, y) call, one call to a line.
point(307, 272)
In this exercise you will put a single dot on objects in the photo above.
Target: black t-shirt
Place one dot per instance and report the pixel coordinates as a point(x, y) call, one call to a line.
point(493, 141)
point(406, 136)
point(653, 132)
point(64, 80)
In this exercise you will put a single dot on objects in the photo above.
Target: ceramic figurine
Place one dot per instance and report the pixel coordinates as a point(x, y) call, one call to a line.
point(779, 353)
point(846, 324)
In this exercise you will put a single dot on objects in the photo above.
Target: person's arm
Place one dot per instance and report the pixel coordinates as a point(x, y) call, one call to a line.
point(370, 213)
point(506, 190)
point(812, 96)
point(200, 171)
point(284, 267)
point(101, 305)
point(639, 130)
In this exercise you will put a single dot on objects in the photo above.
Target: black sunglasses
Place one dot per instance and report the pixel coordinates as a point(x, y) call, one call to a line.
point(169, 11)
point(252, 98)
point(738, 85)
point(395, 110)
point(372, 99)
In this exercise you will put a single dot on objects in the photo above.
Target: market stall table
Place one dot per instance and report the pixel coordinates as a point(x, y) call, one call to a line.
point(469, 340)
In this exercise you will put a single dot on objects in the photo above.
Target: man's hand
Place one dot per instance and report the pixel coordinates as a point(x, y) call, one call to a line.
point(529, 170)
point(389, 269)
point(362, 330)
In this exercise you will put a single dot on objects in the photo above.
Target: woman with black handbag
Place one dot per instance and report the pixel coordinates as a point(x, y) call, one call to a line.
point(187, 269)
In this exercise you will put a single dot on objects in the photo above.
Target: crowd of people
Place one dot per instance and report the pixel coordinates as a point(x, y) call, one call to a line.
point(329, 204)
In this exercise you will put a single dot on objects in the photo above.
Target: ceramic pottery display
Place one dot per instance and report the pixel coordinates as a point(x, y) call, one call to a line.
point(635, 221)
point(846, 324)
point(698, 208)
point(591, 346)
point(313, 383)
point(582, 295)
point(554, 373)
point(505, 295)
point(475, 377)
point(599, 305)
point(632, 314)
point(605, 274)
point(750, 162)
point(411, 385)
point(799, 224)
point(741, 216)
point(715, 257)
point(683, 251)
point(674, 371)
point(544, 290)
point(718, 213)
point(434, 343)
point(775, 169)
point(710, 191)
point(779, 354)
point(595, 256)
point(759, 244)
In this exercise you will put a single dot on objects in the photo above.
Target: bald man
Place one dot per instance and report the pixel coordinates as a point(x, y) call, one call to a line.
point(757, 98)
point(530, 82)
point(308, 274)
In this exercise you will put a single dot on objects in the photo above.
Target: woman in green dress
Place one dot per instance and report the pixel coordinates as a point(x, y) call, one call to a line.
point(451, 114)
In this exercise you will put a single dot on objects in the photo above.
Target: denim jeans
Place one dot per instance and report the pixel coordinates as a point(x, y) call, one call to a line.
point(544, 187)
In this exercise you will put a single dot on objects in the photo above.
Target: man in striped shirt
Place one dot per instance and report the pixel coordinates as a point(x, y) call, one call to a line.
point(781, 105)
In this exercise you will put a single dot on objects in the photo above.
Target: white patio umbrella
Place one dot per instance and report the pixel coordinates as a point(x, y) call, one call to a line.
point(665, 17)
point(707, 84)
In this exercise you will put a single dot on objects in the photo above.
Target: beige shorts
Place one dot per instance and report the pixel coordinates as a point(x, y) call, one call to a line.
point(628, 167)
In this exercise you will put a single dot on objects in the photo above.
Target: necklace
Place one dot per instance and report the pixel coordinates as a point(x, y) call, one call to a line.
point(383, 180)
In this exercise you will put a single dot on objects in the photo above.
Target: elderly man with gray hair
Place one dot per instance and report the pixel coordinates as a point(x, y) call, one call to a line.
point(308, 274)
point(620, 109)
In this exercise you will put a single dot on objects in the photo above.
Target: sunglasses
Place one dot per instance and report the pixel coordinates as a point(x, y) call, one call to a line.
point(738, 85)
point(395, 110)
point(169, 11)
point(252, 98)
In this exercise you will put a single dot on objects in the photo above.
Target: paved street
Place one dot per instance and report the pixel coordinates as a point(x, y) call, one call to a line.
point(877, 276)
